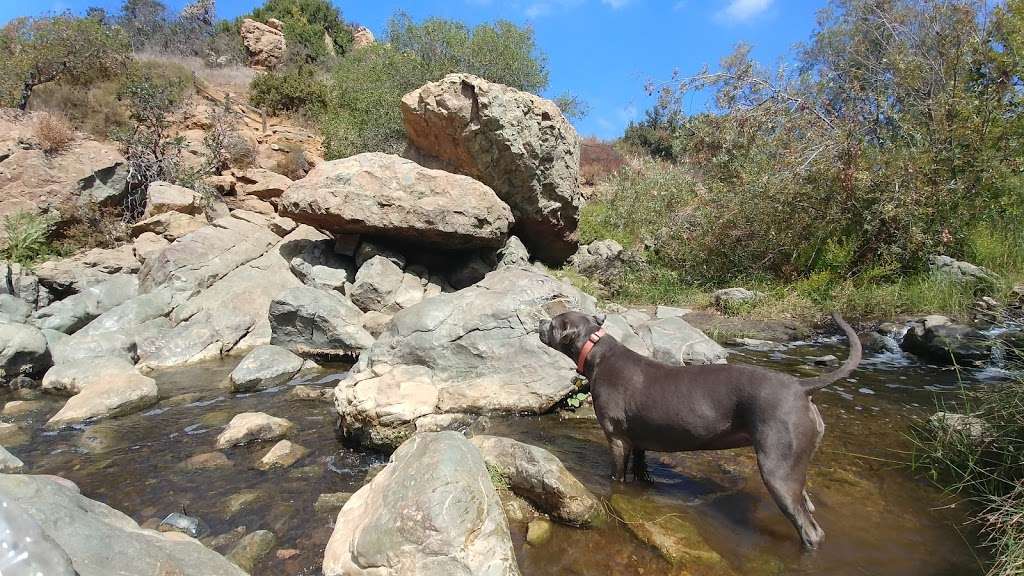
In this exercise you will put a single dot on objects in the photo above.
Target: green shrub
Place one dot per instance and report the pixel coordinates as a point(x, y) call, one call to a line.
point(305, 24)
point(295, 89)
point(27, 237)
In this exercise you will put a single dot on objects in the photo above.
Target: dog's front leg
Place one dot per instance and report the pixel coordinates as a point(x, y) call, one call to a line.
point(620, 458)
point(640, 466)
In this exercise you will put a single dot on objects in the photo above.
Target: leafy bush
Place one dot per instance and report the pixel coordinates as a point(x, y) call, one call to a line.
point(27, 237)
point(38, 51)
point(305, 24)
point(53, 133)
point(295, 89)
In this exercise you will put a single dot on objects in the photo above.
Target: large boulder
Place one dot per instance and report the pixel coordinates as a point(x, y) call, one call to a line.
point(26, 285)
point(960, 271)
point(164, 197)
point(431, 510)
point(87, 173)
point(517, 143)
point(385, 195)
point(14, 309)
point(65, 533)
point(674, 341)
point(23, 351)
point(70, 378)
point(472, 351)
point(375, 285)
point(603, 260)
point(264, 367)
point(317, 323)
point(75, 311)
point(540, 477)
point(264, 44)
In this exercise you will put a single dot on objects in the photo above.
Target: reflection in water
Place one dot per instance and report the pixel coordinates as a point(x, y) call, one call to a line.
point(879, 520)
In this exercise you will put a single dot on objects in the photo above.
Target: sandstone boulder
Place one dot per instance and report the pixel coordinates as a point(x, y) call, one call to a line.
point(116, 394)
point(389, 196)
point(517, 143)
point(432, 510)
point(169, 225)
point(252, 426)
point(260, 183)
point(264, 44)
point(164, 197)
point(474, 351)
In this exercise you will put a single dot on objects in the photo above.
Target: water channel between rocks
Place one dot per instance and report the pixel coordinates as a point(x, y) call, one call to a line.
point(879, 519)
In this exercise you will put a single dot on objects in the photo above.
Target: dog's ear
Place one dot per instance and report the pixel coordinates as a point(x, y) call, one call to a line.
point(600, 318)
point(568, 336)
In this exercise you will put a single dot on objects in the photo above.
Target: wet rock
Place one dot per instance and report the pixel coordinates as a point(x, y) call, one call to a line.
point(25, 388)
point(72, 275)
point(100, 540)
point(23, 351)
point(116, 395)
point(760, 345)
point(14, 309)
point(251, 549)
point(240, 501)
point(282, 455)
point(265, 367)
point(12, 434)
point(208, 461)
point(951, 424)
point(178, 522)
point(538, 532)
point(310, 393)
point(432, 509)
point(286, 554)
point(389, 196)
point(675, 341)
point(317, 323)
point(148, 245)
point(9, 463)
point(222, 542)
point(517, 143)
point(674, 535)
point(603, 260)
point(252, 426)
point(946, 343)
point(22, 407)
point(827, 360)
point(473, 351)
point(727, 297)
point(538, 476)
point(75, 311)
point(331, 502)
point(164, 197)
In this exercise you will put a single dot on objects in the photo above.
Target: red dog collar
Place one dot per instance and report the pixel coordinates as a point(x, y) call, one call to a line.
point(587, 347)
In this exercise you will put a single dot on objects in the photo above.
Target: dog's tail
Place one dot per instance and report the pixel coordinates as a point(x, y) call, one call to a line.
point(812, 384)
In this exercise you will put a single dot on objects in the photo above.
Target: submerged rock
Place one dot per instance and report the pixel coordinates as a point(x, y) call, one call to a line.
point(9, 463)
point(432, 510)
point(538, 531)
point(115, 394)
point(178, 522)
point(265, 367)
point(282, 455)
point(250, 426)
point(252, 548)
point(538, 476)
point(97, 539)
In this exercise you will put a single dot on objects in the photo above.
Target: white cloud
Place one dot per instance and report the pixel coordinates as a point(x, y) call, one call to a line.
point(616, 4)
point(743, 10)
point(537, 10)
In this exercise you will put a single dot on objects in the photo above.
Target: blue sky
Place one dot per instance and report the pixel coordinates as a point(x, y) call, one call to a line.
point(602, 50)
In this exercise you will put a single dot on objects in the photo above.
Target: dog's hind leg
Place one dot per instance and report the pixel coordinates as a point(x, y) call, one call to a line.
point(783, 455)
point(807, 502)
point(640, 466)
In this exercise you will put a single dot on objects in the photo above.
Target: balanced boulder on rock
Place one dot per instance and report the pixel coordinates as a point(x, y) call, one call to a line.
point(432, 510)
point(515, 142)
point(390, 196)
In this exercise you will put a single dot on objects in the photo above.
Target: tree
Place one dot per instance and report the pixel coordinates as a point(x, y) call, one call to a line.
point(145, 22)
point(308, 27)
point(37, 51)
point(572, 106)
point(501, 52)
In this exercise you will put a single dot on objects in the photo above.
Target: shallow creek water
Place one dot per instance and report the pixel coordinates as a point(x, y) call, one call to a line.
point(878, 518)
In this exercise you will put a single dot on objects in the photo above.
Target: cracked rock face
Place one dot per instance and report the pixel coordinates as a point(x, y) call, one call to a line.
point(515, 142)
point(432, 510)
point(473, 351)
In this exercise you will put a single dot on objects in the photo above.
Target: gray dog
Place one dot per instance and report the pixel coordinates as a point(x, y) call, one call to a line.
point(643, 404)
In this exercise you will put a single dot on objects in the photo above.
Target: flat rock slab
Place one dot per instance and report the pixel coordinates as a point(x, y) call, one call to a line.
point(114, 395)
point(385, 195)
point(432, 510)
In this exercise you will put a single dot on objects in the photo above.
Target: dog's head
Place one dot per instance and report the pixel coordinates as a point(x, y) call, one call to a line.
point(568, 331)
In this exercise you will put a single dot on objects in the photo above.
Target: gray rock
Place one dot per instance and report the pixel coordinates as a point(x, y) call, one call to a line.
point(368, 249)
point(432, 510)
point(14, 309)
point(618, 327)
point(603, 260)
point(538, 476)
point(318, 266)
point(178, 522)
point(71, 378)
point(376, 322)
point(317, 323)
point(730, 296)
point(389, 196)
point(662, 312)
point(82, 347)
point(472, 351)
point(9, 463)
point(99, 540)
point(331, 502)
point(26, 285)
point(131, 314)
point(760, 345)
point(72, 275)
point(115, 395)
point(264, 367)
point(470, 271)
point(252, 426)
point(513, 254)
point(959, 271)
point(23, 351)
point(346, 244)
point(827, 360)
point(943, 343)
point(75, 311)
point(164, 197)
point(517, 143)
point(947, 423)
point(375, 284)
point(674, 341)
point(252, 548)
